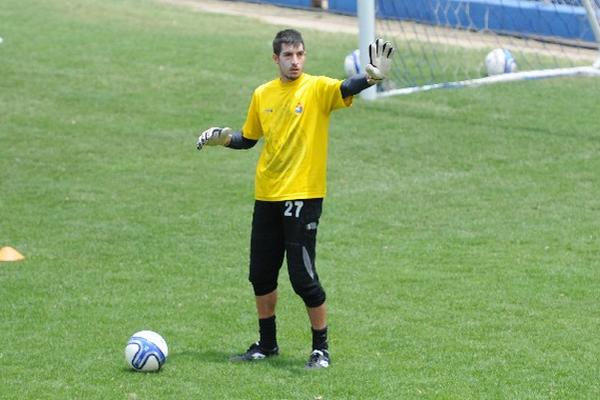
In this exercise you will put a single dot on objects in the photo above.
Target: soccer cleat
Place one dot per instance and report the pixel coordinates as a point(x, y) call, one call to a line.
point(255, 353)
point(318, 359)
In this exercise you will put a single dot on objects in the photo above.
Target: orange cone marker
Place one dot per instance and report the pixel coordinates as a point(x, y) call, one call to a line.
point(10, 254)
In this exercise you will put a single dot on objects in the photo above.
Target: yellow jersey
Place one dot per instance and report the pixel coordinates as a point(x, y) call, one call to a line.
point(293, 119)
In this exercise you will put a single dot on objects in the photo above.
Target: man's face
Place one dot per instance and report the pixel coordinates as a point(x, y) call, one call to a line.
point(290, 61)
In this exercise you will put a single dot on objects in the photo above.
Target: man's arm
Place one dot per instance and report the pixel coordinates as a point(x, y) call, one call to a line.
point(380, 57)
point(216, 136)
point(239, 142)
point(354, 85)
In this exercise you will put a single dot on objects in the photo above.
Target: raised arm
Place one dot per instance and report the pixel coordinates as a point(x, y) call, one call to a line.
point(380, 57)
point(354, 85)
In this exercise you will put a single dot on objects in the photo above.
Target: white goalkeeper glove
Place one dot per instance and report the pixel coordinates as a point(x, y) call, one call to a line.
point(214, 137)
point(380, 56)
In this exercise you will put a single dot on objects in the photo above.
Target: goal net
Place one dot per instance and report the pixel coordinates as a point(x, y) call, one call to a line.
point(444, 43)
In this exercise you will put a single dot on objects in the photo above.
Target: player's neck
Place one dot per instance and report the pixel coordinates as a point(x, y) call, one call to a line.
point(289, 81)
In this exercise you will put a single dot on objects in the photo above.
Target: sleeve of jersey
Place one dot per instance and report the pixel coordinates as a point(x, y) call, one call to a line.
point(252, 128)
point(331, 94)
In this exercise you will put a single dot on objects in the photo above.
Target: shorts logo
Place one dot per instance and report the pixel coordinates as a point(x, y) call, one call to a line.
point(298, 108)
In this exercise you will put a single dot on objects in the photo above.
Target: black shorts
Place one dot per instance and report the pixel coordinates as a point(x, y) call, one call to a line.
point(285, 228)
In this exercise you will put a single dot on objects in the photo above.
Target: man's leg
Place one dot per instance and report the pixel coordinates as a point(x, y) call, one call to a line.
point(318, 316)
point(267, 344)
point(265, 308)
point(319, 357)
point(301, 224)
point(266, 257)
point(265, 305)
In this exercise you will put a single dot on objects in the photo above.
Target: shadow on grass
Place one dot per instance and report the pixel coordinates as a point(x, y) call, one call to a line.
point(293, 364)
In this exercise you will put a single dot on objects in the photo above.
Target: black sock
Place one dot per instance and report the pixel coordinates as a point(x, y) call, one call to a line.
point(319, 339)
point(268, 333)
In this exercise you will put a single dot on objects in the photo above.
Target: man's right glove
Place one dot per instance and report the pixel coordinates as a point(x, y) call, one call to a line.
point(380, 56)
point(214, 137)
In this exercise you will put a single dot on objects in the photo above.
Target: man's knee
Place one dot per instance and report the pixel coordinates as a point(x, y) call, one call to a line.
point(312, 293)
point(262, 288)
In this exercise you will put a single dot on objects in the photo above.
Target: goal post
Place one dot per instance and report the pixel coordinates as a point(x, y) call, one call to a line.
point(443, 43)
point(366, 29)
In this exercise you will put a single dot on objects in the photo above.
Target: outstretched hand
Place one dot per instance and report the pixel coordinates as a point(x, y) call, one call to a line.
point(214, 136)
point(380, 56)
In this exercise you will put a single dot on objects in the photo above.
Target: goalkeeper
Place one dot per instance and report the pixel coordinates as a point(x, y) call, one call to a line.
point(291, 114)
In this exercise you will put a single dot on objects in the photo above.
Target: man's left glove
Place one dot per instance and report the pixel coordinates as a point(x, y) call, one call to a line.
point(380, 56)
point(214, 137)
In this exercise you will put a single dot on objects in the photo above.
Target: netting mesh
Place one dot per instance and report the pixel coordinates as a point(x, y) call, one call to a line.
point(447, 40)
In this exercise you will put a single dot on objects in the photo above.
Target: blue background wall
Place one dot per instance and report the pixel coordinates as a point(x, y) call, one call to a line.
point(525, 18)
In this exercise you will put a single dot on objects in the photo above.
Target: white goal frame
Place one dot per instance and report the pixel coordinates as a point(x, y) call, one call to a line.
point(367, 25)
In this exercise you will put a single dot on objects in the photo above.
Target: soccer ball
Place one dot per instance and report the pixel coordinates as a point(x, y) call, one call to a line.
point(352, 63)
point(500, 61)
point(146, 351)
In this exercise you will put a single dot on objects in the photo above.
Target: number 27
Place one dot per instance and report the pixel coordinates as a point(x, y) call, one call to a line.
point(289, 208)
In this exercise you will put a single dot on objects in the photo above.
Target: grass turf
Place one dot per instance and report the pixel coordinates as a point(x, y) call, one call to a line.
point(459, 242)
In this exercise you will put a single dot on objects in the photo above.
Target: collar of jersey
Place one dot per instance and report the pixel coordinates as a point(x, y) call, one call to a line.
point(292, 83)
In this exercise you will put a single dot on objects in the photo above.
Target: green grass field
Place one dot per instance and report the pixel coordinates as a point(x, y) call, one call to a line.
point(459, 243)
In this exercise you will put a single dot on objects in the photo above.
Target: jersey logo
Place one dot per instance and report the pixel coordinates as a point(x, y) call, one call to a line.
point(298, 109)
point(268, 110)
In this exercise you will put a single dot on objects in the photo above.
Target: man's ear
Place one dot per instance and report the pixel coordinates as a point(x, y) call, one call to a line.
point(275, 58)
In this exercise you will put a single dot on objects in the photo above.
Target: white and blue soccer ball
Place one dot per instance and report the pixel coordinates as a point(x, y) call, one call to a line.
point(500, 61)
point(352, 63)
point(146, 351)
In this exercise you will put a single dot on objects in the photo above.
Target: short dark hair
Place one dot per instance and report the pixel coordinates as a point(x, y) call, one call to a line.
point(287, 36)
